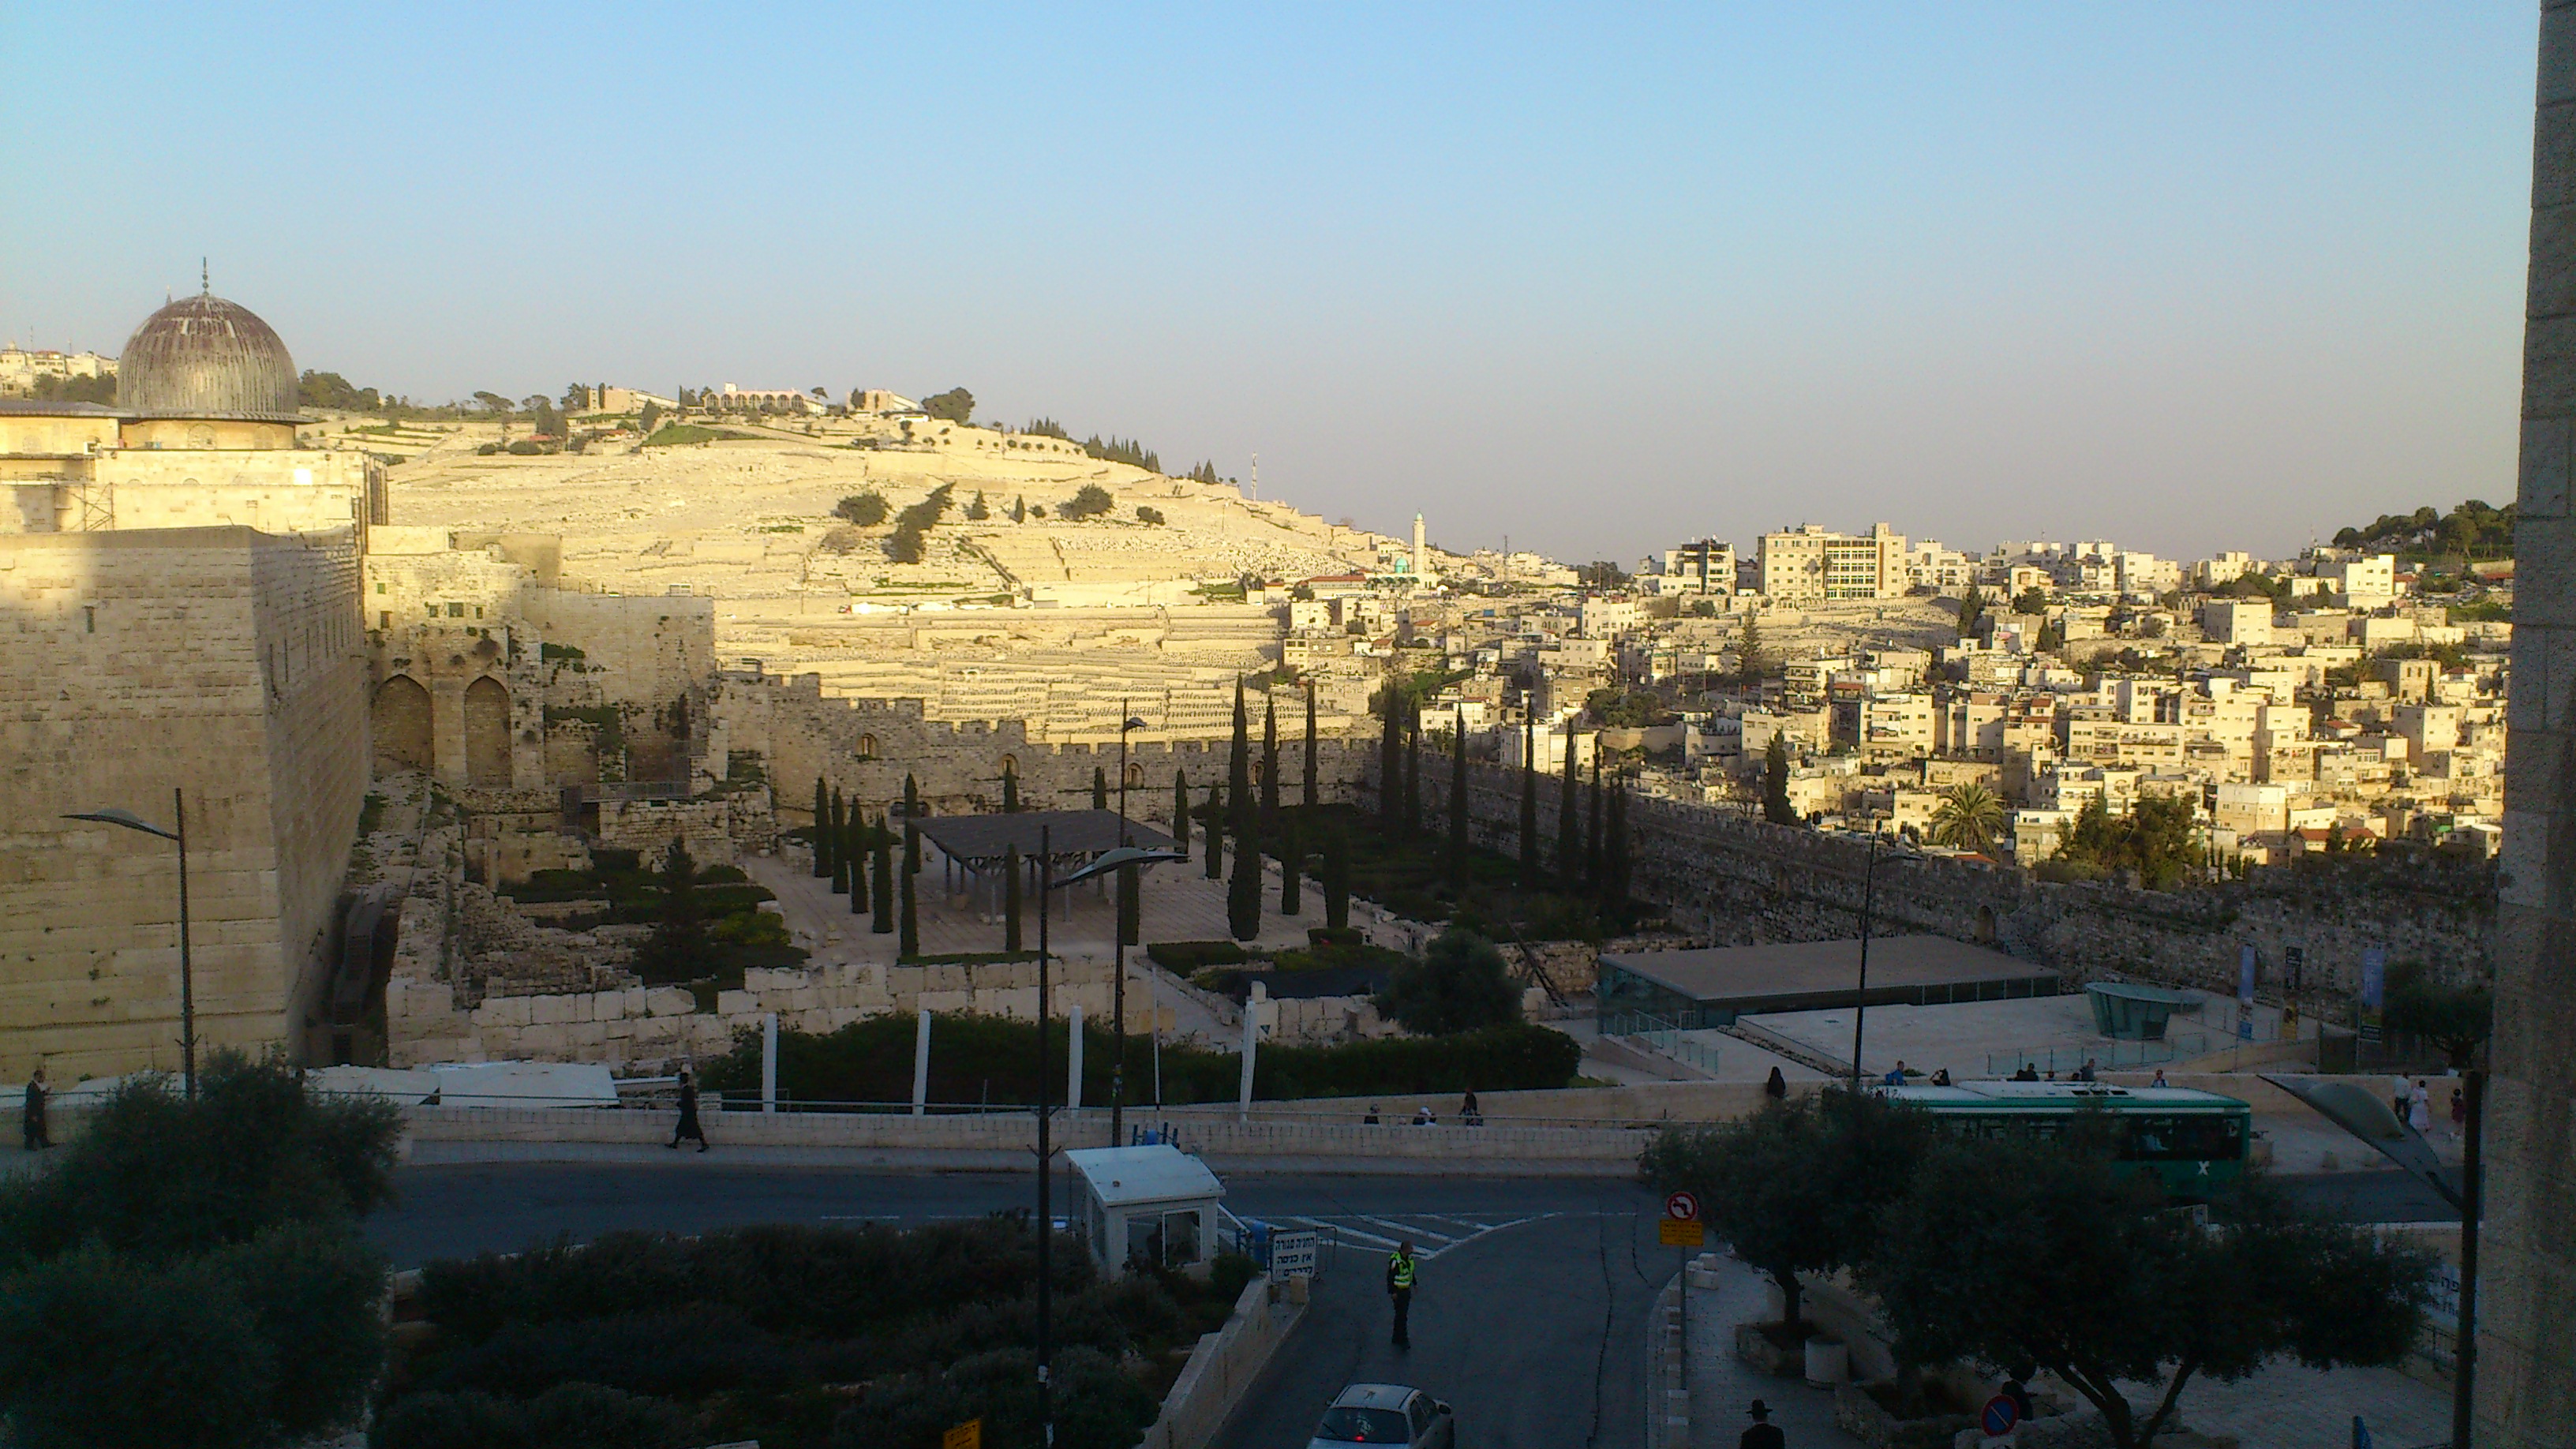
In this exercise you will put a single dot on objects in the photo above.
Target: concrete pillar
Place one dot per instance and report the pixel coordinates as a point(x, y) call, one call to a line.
point(921, 1063)
point(1073, 1061)
point(769, 1061)
point(2527, 1343)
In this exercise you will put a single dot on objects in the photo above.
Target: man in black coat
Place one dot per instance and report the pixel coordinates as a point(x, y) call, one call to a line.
point(689, 1127)
point(33, 1122)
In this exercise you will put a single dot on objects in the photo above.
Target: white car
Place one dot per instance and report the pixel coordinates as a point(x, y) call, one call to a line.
point(1386, 1414)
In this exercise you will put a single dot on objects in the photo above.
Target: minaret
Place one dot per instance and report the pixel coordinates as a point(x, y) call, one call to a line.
point(1420, 556)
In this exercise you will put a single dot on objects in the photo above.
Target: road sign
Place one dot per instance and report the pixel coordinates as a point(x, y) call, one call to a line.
point(1292, 1254)
point(1998, 1416)
point(1682, 1207)
point(1681, 1233)
point(969, 1435)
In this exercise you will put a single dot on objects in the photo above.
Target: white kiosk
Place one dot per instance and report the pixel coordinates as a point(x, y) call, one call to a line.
point(1153, 1204)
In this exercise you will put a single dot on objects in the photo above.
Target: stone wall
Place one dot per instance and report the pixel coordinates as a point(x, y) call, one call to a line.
point(865, 748)
point(275, 490)
point(1736, 880)
point(223, 662)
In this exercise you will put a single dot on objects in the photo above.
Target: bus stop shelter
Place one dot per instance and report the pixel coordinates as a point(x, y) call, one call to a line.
point(1152, 1205)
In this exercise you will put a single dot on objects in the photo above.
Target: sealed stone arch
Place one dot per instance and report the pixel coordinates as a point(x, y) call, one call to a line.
point(402, 726)
point(487, 733)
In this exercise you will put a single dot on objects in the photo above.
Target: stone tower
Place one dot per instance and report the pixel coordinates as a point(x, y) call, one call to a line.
point(2527, 1283)
point(1421, 554)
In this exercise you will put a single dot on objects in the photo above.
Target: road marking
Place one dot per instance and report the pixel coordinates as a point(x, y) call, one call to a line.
point(1346, 1228)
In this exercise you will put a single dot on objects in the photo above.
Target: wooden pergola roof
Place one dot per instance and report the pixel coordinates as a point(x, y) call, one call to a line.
point(981, 842)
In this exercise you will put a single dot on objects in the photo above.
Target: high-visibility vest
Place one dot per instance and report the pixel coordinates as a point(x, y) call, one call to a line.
point(1402, 1267)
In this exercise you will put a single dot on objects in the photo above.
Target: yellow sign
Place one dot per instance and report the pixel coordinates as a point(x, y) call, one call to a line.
point(969, 1435)
point(1679, 1233)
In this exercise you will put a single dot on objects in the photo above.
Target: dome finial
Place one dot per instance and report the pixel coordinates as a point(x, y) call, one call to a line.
point(205, 279)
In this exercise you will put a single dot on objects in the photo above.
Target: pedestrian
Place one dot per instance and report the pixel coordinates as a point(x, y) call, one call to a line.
point(1896, 1074)
point(1399, 1290)
point(2399, 1100)
point(1776, 1087)
point(2419, 1109)
point(2016, 1388)
point(1764, 1434)
point(1468, 1112)
point(34, 1121)
point(1371, 1119)
point(2160, 1078)
point(2085, 1073)
point(1941, 1077)
point(1422, 1116)
point(2459, 1114)
point(689, 1127)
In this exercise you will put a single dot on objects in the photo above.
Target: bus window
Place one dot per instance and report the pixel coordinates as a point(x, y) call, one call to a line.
point(2183, 1139)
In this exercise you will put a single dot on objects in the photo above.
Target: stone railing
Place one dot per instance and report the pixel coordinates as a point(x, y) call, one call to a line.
point(1222, 1369)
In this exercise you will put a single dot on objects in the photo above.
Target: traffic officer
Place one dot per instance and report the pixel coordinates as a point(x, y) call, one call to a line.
point(1399, 1289)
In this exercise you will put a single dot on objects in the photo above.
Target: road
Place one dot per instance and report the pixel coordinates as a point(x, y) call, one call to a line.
point(1529, 1319)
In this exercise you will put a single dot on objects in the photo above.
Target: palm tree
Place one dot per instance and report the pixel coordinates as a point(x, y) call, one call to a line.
point(1970, 817)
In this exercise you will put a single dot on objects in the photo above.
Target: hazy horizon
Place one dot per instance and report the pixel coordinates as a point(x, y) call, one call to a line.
point(2190, 279)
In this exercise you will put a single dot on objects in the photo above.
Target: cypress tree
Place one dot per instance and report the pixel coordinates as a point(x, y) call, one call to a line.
point(853, 849)
point(911, 837)
point(1390, 760)
point(1238, 771)
point(1337, 878)
point(1413, 769)
point(909, 943)
point(1131, 906)
point(1243, 888)
point(1292, 864)
point(1592, 824)
point(1215, 836)
point(840, 865)
point(1011, 899)
point(1310, 797)
point(1458, 800)
point(1615, 886)
point(1569, 820)
point(823, 822)
point(1099, 788)
point(1181, 809)
point(1010, 792)
point(1529, 805)
point(1775, 782)
point(1269, 761)
point(881, 881)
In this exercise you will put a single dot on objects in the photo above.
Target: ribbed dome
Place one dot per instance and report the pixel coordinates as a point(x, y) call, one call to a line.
point(204, 357)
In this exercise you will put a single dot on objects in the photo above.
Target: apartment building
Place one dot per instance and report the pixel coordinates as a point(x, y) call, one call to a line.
point(1811, 562)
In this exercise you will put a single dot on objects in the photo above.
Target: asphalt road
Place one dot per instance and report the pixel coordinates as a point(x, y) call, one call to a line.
point(1529, 1319)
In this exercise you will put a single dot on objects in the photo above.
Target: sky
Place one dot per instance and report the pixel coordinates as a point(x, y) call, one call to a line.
point(1595, 279)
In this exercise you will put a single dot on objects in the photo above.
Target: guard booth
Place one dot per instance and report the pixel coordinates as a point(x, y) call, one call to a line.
point(1152, 1205)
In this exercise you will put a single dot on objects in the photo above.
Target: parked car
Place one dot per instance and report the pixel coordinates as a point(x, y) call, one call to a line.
point(1386, 1414)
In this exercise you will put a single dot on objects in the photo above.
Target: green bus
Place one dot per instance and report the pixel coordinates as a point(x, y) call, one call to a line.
point(2194, 1142)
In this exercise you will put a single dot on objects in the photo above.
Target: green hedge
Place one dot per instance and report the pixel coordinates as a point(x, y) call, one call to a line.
point(648, 1341)
point(985, 1059)
point(1185, 957)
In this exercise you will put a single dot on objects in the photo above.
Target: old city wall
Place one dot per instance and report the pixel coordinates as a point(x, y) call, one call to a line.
point(865, 748)
point(275, 490)
point(1734, 878)
point(219, 661)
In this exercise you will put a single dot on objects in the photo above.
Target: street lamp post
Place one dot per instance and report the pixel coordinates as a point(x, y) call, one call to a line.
point(187, 968)
point(1118, 935)
point(1868, 903)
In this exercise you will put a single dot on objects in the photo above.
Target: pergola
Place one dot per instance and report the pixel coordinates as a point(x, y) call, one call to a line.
point(979, 845)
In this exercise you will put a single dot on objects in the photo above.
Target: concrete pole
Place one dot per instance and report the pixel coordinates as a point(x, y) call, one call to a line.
point(2526, 1376)
point(1073, 1061)
point(1251, 1043)
point(921, 1063)
point(769, 1061)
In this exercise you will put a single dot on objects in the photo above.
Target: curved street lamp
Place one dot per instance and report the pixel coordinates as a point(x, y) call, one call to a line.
point(187, 971)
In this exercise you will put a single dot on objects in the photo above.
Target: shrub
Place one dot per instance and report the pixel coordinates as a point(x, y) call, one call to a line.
point(1090, 502)
point(842, 538)
point(1459, 984)
point(1185, 957)
point(867, 510)
point(1149, 514)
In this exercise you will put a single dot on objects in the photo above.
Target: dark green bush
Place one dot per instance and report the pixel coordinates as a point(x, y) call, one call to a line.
point(1185, 957)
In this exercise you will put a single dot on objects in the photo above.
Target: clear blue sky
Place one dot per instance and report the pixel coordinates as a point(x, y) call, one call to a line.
point(2188, 276)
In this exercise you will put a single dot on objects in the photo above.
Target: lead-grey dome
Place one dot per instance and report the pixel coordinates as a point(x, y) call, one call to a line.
point(204, 357)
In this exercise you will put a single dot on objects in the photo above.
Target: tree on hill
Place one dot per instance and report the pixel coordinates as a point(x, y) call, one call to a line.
point(1969, 817)
point(1601, 573)
point(1752, 665)
point(645, 420)
point(2155, 840)
point(1205, 472)
point(1309, 796)
point(867, 510)
point(2456, 1017)
point(679, 946)
point(1972, 611)
point(1569, 822)
point(978, 511)
point(1775, 782)
point(905, 544)
point(1149, 515)
point(1529, 804)
point(2032, 601)
point(1090, 501)
point(325, 390)
point(953, 406)
point(54, 387)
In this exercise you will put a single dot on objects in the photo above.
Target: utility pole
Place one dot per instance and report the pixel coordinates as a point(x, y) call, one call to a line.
point(1046, 1166)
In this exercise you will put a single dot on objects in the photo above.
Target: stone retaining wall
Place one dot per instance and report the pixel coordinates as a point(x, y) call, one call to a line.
point(1222, 1369)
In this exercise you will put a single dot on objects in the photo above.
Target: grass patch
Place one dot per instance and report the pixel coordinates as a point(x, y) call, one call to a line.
point(672, 435)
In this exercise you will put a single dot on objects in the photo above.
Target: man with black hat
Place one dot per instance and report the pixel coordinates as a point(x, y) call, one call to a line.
point(1764, 1434)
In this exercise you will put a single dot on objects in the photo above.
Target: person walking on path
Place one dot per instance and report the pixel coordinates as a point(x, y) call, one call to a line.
point(1399, 1290)
point(33, 1122)
point(1764, 1434)
point(688, 1128)
point(2419, 1110)
point(1776, 1087)
point(1469, 1112)
point(2459, 1115)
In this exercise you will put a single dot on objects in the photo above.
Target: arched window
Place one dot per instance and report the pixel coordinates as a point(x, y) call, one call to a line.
point(867, 747)
point(487, 733)
point(1010, 764)
point(1135, 775)
point(401, 718)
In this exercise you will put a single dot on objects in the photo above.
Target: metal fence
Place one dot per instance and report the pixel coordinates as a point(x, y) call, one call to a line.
point(2107, 1056)
point(1664, 1035)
